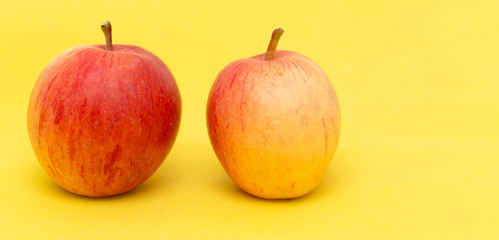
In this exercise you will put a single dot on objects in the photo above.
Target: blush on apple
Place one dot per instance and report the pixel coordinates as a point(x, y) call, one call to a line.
point(274, 122)
point(102, 118)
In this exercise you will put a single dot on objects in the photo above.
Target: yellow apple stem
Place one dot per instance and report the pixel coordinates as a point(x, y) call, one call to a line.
point(276, 35)
point(106, 28)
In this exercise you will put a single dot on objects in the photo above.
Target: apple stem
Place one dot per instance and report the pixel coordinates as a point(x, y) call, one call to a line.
point(106, 28)
point(276, 35)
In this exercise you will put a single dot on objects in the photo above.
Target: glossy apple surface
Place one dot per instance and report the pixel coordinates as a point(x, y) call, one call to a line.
point(100, 121)
point(274, 124)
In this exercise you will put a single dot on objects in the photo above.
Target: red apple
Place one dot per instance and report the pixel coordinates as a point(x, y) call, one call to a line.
point(102, 118)
point(274, 122)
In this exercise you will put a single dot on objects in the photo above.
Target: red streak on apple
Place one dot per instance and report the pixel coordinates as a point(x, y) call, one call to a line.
point(101, 122)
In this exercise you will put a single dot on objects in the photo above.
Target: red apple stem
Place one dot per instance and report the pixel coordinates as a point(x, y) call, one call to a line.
point(276, 35)
point(106, 28)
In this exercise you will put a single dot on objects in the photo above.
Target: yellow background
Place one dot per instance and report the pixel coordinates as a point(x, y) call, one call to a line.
point(418, 84)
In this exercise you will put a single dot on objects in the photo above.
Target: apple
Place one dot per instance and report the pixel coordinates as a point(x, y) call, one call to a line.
point(274, 122)
point(102, 118)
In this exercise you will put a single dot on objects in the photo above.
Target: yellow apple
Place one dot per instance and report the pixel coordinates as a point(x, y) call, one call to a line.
point(274, 122)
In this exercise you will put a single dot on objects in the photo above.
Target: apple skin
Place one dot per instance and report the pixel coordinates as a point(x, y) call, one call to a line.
point(274, 125)
point(101, 122)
